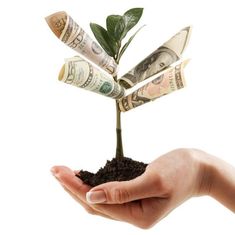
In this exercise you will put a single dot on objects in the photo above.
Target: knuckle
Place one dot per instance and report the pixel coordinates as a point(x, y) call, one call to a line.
point(158, 181)
point(185, 152)
point(120, 195)
point(166, 188)
point(161, 183)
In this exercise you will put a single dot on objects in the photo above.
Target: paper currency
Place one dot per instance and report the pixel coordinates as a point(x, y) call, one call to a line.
point(69, 32)
point(172, 79)
point(78, 72)
point(161, 58)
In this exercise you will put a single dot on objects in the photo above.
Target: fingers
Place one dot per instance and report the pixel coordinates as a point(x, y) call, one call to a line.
point(76, 198)
point(75, 188)
point(144, 186)
point(142, 213)
point(121, 212)
point(68, 178)
point(86, 206)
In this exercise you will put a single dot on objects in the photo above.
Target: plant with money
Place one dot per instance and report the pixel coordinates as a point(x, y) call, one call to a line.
point(81, 73)
point(111, 40)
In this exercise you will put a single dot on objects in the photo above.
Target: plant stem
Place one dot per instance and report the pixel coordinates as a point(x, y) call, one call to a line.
point(119, 147)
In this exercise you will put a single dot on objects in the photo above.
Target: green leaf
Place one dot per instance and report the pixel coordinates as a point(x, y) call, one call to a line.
point(131, 18)
point(128, 43)
point(111, 24)
point(107, 43)
point(118, 26)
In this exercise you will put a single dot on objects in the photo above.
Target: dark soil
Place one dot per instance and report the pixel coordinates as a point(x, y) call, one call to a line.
point(118, 169)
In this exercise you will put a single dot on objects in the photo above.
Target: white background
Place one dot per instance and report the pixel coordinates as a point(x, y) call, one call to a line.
point(44, 122)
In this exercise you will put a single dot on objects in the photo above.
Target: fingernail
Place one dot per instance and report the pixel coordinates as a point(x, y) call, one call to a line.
point(53, 171)
point(96, 197)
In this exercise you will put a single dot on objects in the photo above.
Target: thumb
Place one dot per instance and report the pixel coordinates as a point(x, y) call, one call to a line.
point(124, 191)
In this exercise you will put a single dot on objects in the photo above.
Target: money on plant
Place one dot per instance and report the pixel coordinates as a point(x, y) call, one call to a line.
point(160, 59)
point(172, 79)
point(79, 72)
point(69, 32)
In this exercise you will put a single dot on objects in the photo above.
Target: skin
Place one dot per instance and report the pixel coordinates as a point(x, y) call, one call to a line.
point(167, 182)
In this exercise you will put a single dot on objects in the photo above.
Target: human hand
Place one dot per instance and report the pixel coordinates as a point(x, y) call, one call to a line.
point(167, 182)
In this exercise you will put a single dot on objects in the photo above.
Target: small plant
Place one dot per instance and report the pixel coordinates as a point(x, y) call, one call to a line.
point(80, 72)
point(111, 40)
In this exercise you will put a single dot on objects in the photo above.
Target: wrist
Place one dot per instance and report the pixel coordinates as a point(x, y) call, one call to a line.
point(216, 179)
point(205, 179)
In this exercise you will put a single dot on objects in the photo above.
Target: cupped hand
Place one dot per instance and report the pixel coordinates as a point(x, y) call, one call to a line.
point(167, 182)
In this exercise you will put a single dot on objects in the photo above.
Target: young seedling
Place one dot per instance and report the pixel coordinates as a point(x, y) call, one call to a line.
point(81, 73)
point(111, 40)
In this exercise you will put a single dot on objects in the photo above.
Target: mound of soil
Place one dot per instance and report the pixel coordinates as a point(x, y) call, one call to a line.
point(118, 169)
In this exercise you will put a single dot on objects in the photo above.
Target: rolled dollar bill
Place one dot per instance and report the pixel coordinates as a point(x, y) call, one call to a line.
point(171, 80)
point(79, 72)
point(69, 32)
point(161, 58)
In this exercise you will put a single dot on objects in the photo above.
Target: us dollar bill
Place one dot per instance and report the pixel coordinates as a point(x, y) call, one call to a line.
point(171, 80)
point(80, 73)
point(69, 32)
point(161, 58)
